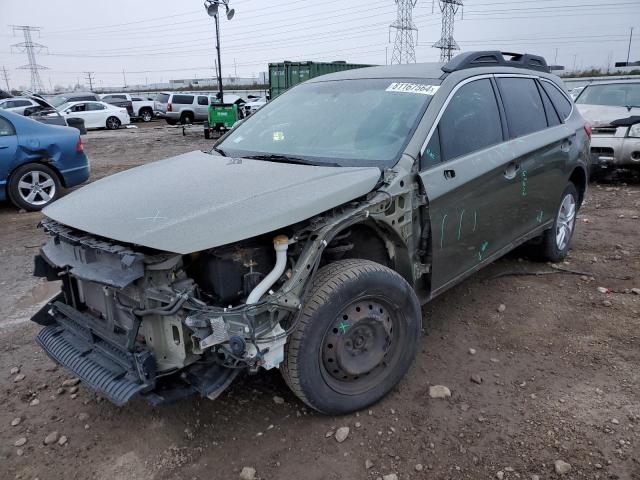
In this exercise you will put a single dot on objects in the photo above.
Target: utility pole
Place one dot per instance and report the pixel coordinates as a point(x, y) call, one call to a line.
point(575, 58)
point(5, 74)
point(447, 43)
point(404, 46)
point(30, 48)
point(124, 77)
point(90, 80)
point(629, 50)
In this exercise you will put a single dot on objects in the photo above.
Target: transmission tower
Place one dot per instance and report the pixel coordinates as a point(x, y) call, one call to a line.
point(447, 44)
point(31, 48)
point(90, 80)
point(5, 75)
point(404, 48)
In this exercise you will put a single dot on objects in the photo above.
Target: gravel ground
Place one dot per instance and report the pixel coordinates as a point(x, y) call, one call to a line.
point(544, 375)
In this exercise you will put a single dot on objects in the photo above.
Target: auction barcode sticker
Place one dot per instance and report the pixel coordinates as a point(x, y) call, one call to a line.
point(413, 88)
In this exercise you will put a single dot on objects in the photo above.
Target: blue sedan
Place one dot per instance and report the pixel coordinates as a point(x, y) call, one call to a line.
point(38, 160)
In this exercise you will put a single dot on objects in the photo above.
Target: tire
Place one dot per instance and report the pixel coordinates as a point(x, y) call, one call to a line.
point(146, 115)
point(357, 337)
point(33, 186)
point(207, 133)
point(186, 118)
point(113, 123)
point(550, 248)
point(172, 122)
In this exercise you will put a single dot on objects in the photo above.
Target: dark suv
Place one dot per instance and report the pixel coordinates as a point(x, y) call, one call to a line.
point(311, 234)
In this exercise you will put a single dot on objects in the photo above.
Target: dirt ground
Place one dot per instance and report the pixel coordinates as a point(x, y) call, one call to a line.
point(560, 370)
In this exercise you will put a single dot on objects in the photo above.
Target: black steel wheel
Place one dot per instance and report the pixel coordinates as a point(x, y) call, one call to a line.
point(358, 335)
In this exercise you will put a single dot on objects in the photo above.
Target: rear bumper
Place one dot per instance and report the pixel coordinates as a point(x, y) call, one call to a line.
point(614, 152)
point(76, 175)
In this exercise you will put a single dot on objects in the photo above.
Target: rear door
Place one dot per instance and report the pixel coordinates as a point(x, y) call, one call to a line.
point(202, 107)
point(541, 144)
point(462, 171)
point(96, 115)
point(8, 147)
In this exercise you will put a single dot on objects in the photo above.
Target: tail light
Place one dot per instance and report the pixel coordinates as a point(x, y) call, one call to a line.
point(79, 146)
point(169, 109)
point(587, 129)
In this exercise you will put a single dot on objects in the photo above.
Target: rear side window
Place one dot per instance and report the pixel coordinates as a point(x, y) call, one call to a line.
point(95, 106)
point(562, 104)
point(116, 97)
point(553, 119)
point(471, 121)
point(203, 101)
point(22, 103)
point(6, 128)
point(183, 99)
point(523, 106)
point(162, 98)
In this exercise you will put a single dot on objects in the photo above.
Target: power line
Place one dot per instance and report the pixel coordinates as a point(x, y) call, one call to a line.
point(447, 43)
point(31, 48)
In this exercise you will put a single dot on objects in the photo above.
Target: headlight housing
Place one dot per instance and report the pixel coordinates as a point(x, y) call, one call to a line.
point(634, 131)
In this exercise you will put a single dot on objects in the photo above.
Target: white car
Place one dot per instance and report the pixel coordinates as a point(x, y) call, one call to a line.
point(17, 104)
point(255, 104)
point(96, 114)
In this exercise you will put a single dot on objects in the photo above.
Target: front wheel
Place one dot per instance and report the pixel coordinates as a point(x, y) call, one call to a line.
point(555, 242)
point(113, 123)
point(357, 337)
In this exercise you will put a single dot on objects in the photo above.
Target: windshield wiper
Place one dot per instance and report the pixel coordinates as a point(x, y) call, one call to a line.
point(629, 107)
point(289, 159)
point(219, 150)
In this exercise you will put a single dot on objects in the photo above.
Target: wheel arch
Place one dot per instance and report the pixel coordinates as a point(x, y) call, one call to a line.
point(42, 161)
point(370, 241)
point(579, 178)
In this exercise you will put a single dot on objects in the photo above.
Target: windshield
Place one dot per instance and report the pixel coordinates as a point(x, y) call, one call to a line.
point(364, 122)
point(613, 95)
point(58, 100)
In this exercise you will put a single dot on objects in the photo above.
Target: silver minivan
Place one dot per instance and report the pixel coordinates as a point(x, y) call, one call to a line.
point(181, 108)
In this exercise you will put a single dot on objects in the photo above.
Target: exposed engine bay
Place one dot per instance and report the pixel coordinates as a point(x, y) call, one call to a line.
point(135, 321)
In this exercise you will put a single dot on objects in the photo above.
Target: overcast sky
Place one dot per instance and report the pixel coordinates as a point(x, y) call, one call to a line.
point(158, 40)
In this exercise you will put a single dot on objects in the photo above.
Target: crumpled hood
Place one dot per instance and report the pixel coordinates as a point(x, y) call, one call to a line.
point(197, 201)
point(602, 115)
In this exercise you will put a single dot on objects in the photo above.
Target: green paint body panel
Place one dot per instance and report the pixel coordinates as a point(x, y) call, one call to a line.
point(225, 115)
point(283, 76)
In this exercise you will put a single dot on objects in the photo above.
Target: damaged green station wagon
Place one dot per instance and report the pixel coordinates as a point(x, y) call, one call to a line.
point(311, 234)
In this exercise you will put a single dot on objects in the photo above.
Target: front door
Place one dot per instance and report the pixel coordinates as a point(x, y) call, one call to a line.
point(471, 204)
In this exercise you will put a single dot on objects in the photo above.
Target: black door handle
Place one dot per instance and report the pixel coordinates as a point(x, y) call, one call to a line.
point(511, 171)
point(449, 174)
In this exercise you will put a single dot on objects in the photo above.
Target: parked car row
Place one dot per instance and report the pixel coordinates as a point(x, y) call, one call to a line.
point(186, 108)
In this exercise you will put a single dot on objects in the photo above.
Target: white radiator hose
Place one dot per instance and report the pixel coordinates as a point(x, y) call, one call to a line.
point(280, 244)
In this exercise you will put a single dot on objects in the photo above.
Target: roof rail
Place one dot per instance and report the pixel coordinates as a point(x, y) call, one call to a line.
point(496, 58)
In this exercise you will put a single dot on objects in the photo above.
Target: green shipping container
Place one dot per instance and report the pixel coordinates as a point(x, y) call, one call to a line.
point(283, 76)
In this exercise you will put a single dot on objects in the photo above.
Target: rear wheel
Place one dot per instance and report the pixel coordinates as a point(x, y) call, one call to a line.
point(33, 186)
point(555, 242)
point(186, 118)
point(359, 332)
point(146, 115)
point(113, 123)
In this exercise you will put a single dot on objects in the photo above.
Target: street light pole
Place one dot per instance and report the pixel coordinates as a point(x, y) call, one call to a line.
point(220, 87)
point(213, 7)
